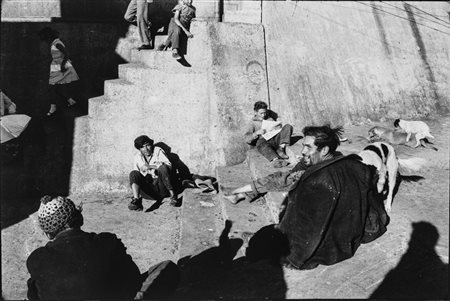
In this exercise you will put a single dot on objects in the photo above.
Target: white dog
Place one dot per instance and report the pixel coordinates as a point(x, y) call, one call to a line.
point(419, 128)
point(382, 156)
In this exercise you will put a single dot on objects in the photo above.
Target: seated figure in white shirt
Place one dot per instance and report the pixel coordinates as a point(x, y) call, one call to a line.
point(152, 174)
point(269, 137)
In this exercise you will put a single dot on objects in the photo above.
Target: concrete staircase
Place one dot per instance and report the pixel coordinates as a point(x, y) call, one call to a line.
point(196, 108)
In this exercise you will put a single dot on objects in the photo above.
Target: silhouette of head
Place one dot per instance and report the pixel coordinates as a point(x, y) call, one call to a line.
point(424, 234)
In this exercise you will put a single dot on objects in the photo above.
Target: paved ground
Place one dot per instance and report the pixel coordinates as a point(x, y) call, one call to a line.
point(411, 259)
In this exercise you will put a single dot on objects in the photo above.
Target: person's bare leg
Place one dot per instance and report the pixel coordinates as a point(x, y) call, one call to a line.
point(136, 190)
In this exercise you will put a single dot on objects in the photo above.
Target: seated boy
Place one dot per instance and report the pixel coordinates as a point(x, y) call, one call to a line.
point(179, 25)
point(273, 148)
point(152, 174)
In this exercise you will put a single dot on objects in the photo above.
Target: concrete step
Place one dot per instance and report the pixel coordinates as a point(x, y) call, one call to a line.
point(163, 60)
point(246, 217)
point(260, 167)
point(161, 83)
point(201, 223)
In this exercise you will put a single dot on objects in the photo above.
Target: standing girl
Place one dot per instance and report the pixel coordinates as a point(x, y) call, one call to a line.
point(62, 73)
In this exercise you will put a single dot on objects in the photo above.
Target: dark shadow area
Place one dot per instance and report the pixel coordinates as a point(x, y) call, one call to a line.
point(420, 274)
point(213, 274)
point(295, 139)
point(43, 157)
point(181, 169)
point(154, 206)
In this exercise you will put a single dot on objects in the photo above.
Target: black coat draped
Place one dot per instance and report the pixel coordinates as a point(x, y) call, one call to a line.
point(333, 208)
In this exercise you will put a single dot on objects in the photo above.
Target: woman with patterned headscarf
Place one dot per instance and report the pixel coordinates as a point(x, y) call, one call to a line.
point(78, 265)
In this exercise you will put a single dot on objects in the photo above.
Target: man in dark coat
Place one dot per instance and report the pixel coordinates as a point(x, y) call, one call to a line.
point(80, 265)
point(331, 208)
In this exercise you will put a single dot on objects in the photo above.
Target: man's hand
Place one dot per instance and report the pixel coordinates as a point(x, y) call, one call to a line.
point(189, 34)
point(260, 132)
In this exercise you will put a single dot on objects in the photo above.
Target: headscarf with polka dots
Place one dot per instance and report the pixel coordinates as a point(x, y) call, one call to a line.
point(55, 213)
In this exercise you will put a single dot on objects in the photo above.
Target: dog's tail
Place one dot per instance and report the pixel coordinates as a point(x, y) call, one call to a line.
point(362, 138)
point(412, 164)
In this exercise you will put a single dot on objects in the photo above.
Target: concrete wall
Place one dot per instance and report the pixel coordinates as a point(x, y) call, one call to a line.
point(345, 61)
point(92, 9)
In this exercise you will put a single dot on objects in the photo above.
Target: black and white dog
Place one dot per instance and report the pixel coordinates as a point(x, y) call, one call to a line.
point(382, 156)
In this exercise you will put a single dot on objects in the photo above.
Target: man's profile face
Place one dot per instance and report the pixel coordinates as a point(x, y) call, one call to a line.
point(261, 113)
point(146, 149)
point(311, 155)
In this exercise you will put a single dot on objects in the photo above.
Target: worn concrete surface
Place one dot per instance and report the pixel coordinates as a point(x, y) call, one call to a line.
point(415, 252)
point(94, 10)
point(415, 267)
point(344, 61)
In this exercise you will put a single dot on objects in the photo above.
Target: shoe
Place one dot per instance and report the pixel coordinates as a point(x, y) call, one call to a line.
point(173, 201)
point(278, 163)
point(145, 47)
point(282, 154)
point(161, 47)
point(175, 55)
point(136, 204)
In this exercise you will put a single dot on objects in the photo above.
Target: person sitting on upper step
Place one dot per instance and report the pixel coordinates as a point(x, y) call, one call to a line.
point(152, 174)
point(76, 265)
point(179, 26)
point(269, 135)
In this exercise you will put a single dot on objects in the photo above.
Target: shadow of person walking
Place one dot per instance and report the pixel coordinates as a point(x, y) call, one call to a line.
point(420, 274)
point(213, 274)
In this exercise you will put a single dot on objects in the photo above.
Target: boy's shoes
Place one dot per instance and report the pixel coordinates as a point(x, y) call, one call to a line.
point(161, 47)
point(278, 163)
point(145, 47)
point(173, 201)
point(136, 204)
point(282, 154)
point(175, 55)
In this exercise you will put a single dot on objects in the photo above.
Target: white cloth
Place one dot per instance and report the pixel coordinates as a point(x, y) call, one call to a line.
point(272, 128)
point(6, 104)
point(141, 163)
point(12, 126)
